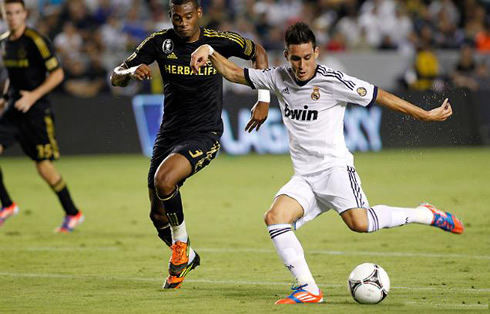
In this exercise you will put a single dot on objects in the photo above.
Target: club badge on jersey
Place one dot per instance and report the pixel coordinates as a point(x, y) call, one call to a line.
point(315, 95)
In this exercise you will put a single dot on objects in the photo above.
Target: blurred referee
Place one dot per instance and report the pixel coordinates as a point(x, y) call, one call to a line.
point(27, 117)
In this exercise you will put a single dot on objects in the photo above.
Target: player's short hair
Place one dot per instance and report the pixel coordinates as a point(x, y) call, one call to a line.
point(299, 33)
point(15, 1)
point(197, 3)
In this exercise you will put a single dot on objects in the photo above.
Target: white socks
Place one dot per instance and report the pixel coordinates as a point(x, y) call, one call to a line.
point(292, 255)
point(381, 216)
point(179, 233)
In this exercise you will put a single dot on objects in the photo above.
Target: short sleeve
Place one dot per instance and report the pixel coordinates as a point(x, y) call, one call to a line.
point(232, 44)
point(45, 49)
point(260, 78)
point(351, 89)
point(144, 53)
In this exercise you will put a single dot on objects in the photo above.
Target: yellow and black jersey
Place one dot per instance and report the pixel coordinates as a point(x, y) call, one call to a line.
point(28, 59)
point(193, 102)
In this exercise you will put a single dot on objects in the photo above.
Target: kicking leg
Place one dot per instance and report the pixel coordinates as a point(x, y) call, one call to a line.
point(73, 216)
point(382, 216)
point(283, 212)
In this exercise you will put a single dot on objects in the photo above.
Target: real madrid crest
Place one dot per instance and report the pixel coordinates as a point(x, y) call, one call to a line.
point(361, 91)
point(315, 95)
point(168, 46)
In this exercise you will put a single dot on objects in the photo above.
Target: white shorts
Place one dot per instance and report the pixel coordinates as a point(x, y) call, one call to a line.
point(337, 188)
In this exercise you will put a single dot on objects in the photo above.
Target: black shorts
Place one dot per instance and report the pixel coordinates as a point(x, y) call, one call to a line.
point(34, 130)
point(199, 149)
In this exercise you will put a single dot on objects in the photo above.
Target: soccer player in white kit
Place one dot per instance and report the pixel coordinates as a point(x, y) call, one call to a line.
point(313, 98)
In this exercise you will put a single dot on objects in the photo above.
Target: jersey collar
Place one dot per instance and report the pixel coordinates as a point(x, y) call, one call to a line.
point(302, 83)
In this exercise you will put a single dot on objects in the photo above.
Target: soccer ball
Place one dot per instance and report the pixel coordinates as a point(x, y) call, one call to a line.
point(369, 283)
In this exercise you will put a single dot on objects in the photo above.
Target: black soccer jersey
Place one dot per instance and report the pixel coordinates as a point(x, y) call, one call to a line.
point(193, 102)
point(27, 59)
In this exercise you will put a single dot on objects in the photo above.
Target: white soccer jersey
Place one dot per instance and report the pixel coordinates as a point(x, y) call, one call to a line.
point(313, 112)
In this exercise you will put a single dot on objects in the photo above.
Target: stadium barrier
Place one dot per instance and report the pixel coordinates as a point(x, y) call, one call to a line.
point(111, 125)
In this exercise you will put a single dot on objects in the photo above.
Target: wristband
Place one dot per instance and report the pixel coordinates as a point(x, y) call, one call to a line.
point(211, 49)
point(264, 95)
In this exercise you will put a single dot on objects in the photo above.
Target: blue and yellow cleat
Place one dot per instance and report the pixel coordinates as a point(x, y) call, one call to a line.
point(299, 295)
point(444, 220)
point(70, 222)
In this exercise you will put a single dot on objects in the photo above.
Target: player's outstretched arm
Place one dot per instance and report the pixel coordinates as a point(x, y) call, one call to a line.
point(121, 74)
point(225, 67)
point(395, 103)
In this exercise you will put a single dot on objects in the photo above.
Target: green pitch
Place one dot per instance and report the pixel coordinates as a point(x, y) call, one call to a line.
point(114, 262)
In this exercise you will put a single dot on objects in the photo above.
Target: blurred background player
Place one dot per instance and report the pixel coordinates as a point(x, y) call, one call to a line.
point(313, 99)
point(27, 114)
point(189, 135)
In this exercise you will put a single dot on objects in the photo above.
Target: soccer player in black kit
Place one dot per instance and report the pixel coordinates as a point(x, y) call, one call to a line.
point(191, 128)
point(27, 115)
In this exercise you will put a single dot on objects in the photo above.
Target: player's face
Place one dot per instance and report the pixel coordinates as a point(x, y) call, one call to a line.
point(302, 59)
point(16, 15)
point(185, 20)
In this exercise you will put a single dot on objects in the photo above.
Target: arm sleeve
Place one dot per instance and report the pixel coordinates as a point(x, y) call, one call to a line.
point(352, 90)
point(46, 50)
point(234, 45)
point(260, 78)
point(144, 53)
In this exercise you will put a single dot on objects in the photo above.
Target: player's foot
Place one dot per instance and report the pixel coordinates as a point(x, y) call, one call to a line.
point(180, 257)
point(70, 222)
point(174, 282)
point(444, 220)
point(7, 212)
point(299, 295)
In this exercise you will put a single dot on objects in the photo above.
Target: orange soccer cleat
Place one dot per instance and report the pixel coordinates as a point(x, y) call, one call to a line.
point(299, 295)
point(444, 220)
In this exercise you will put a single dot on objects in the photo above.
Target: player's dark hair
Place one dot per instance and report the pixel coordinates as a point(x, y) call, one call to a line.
point(15, 1)
point(197, 3)
point(299, 33)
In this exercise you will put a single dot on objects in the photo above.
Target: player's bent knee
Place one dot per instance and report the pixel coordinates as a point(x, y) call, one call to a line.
point(358, 226)
point(164, 184)
point(274, 216)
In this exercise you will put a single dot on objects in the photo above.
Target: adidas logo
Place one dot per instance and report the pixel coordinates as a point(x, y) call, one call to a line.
point(172, 56)
point(285, 91)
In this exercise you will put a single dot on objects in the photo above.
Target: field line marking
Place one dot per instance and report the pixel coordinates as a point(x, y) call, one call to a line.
point(258, 251)
point(228, 282)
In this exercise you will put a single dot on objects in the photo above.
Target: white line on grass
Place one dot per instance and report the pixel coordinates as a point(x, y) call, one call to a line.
point(208, 281)
point(253, 250)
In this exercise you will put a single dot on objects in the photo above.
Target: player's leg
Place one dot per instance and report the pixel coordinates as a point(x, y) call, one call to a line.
point(8, 131)
point(73, 217)
point(185, 159)
point(159, 218)
point(286, 210)
point(381, 216)
point(37, 139)
point(370, 219)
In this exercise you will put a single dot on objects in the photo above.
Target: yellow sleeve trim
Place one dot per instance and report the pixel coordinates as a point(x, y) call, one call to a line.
point(40, 43)
point(228, 35)
point(51, 64)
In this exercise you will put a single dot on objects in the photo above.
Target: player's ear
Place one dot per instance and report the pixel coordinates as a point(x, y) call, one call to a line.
point(286, 54)
point(199, 12)
point(317, 52)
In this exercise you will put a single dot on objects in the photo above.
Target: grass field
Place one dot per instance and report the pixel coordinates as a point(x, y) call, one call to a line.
point(115, 262)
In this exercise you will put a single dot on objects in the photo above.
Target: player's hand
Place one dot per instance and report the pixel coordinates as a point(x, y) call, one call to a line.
point(441, 113)
point(140, 72)
point(259, 114)
point(199, 58)
point(26, 101)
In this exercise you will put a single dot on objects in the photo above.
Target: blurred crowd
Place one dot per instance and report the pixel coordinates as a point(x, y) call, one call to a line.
point(93, 36)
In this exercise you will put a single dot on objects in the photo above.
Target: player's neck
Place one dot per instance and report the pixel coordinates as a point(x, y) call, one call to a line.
point(195, 37)
point(17, 33)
